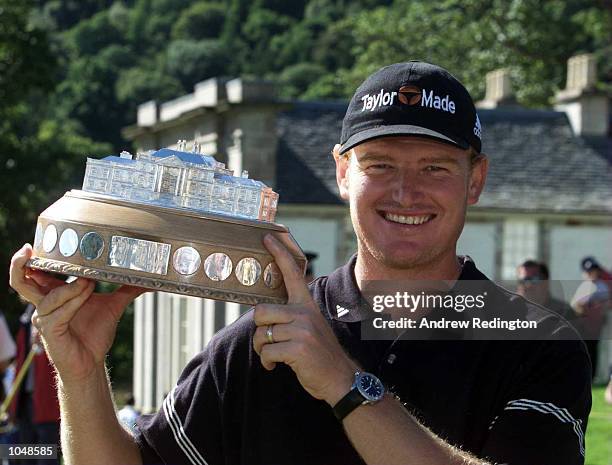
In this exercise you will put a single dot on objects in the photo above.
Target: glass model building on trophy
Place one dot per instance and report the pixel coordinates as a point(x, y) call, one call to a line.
point(170, 220)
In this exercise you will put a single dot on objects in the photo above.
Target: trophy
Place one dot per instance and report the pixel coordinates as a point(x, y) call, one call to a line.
point(168, 220)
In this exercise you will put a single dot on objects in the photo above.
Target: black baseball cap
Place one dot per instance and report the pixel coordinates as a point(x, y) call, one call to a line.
point(412, 99)
point(590, 264)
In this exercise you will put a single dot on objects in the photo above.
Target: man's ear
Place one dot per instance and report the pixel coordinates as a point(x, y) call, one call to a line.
point(478, 176)
point(342, 171)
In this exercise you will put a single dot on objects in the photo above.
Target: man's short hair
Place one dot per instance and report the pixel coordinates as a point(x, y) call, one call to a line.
point(542, 268)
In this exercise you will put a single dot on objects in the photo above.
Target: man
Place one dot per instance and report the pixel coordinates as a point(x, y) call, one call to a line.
point(35, 408)
point(533, 284)
point(7, 351)
point(128, 414)
point(295, 383)
point(591, 302)
point(309, 275)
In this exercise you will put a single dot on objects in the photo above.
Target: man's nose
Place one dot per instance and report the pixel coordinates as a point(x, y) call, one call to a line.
point(408, 188)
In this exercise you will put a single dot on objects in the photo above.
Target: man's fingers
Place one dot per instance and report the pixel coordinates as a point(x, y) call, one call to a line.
point(268, 314)
point(124, 295)
point(26, 287)
point(280, 333)
point(43, 279)
point(129, 293)
point(292, 274)
point(271, 354)
point(60, 295)
point(65, 313)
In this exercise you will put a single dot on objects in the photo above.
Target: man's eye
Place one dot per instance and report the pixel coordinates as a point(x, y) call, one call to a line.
point(434, 168)
point(379, 167)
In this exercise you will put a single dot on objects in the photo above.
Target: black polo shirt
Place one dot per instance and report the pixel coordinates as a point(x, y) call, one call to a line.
point(515, 402)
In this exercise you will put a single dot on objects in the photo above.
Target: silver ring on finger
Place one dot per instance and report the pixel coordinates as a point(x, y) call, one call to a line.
point(269, 334)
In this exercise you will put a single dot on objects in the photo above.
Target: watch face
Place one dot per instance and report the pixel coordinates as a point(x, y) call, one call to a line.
point(370, 387)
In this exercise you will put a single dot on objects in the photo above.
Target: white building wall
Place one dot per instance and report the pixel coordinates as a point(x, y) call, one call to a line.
point(145, 356)
point(479, 241)
point(315, 235)
point(570, 244)
point(164, 379)
point(232, 312)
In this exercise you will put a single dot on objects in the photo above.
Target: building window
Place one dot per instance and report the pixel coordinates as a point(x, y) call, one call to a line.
point(520, 242)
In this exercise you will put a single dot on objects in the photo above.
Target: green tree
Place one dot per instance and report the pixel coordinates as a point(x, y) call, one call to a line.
point(137, 85)
point(259, 30)
point(294, 8)
point(66, 13)
point(93, 35)
point(295, 79)
point(25, 58)
point(87, 94)
point(333, 48)
point(191, 61)
point(200, 21)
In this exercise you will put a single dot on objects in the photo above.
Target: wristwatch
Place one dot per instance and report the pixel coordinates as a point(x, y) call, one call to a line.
point(366, 389)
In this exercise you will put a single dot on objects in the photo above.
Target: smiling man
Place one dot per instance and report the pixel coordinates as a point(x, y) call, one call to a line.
point(297, 383)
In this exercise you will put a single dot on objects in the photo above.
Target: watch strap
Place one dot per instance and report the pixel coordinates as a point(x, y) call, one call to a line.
point(348, 403)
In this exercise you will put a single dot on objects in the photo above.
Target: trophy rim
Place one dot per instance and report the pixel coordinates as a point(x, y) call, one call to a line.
point(78, 193)
point(151, 283)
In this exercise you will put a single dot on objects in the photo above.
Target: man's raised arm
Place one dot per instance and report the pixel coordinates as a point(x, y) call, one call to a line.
point(77, 328)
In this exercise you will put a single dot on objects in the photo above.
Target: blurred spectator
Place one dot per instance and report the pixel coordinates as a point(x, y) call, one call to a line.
point(35, 408)
point(8, 351)
point(310, 274)
point(128, 414)
point(534, 284)
point(591, 300)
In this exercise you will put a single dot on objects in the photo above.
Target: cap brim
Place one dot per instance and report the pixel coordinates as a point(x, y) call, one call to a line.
point(399, 130)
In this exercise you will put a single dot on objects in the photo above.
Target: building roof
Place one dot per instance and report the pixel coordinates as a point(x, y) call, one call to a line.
point(305, 170)
point(536, 162)
point(116, 159)
point(247, 182)
point(187, 157)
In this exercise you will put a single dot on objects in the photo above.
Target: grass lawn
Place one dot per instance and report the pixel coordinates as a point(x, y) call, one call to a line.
point(599, 431)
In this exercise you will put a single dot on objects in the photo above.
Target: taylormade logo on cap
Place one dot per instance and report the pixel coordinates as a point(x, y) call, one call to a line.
point(407, 96)
point(382, 99)
point(434, 101)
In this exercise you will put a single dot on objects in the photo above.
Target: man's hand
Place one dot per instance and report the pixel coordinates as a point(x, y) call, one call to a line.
point(302, 337)
point(76, 325)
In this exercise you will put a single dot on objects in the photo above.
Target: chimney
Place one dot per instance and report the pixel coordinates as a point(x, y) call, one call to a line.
point(147, 114)
point(250, 91)
point(499, 90)
point(586, 108)
point(251, 134)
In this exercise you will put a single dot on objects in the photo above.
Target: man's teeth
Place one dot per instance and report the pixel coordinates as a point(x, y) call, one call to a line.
point(407, 219)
